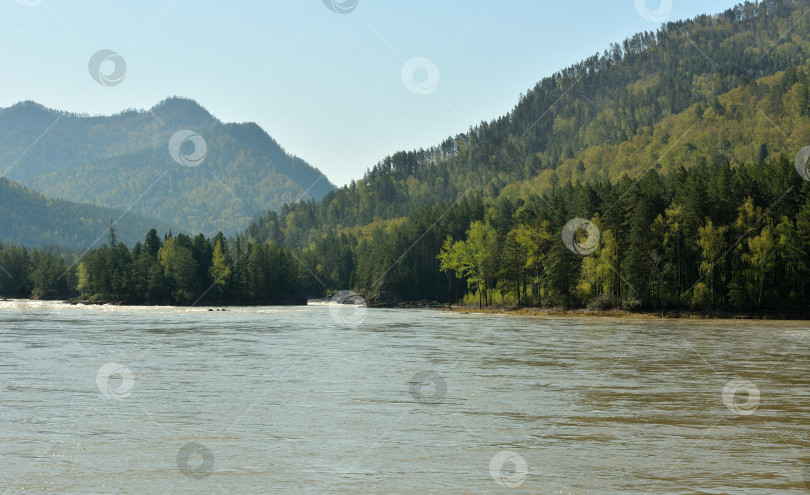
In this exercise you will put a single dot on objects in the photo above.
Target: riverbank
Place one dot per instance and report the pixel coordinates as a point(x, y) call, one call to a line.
point(621, 313)
point(505, 310)
point(100, 301)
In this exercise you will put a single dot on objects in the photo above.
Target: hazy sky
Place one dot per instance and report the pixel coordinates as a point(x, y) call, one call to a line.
point(339, 83)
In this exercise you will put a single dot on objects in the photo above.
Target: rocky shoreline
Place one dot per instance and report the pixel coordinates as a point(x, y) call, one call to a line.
point(372, 301)
point(621, 313)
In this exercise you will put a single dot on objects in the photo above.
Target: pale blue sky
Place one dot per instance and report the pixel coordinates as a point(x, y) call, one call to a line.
point(327, 86)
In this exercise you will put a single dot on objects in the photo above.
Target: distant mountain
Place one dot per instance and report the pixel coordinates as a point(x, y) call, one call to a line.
point(123, 161)
point(33, 220)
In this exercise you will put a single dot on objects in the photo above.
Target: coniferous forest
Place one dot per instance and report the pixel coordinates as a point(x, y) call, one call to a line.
point(708, 237)
point(678, 172)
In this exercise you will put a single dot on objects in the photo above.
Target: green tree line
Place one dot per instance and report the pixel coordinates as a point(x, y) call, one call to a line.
point(183, 270)
point(175, 269)
point(711, 237)
point(731, 237)
point(38, 274)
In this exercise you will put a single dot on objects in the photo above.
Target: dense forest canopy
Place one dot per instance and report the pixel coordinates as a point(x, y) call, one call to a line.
point(172, 269)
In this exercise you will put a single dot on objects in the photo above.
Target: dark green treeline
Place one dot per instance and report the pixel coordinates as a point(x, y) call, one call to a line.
point(174, 270)
point(711, 236)
point(715, 237)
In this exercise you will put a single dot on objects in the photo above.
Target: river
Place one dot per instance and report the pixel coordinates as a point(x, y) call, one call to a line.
point(316, 399)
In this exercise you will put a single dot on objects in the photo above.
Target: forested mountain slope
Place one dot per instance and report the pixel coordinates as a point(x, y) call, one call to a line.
point(677, 147)
point(624, 111)
point(122, 160)
point(33, 220)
